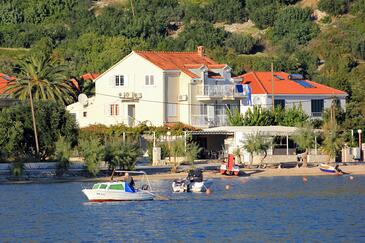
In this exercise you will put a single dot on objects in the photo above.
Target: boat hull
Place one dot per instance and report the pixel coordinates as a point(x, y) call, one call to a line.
point(327, 168)
point(192, 187)
point(107, 196)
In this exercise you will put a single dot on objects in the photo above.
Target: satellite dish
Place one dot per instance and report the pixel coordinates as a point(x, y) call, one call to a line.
point(82, 98)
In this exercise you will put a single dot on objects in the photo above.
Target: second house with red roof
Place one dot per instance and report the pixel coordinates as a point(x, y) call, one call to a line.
point(288, 90)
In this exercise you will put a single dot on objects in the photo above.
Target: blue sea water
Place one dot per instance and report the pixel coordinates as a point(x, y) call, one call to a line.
point(275, 209)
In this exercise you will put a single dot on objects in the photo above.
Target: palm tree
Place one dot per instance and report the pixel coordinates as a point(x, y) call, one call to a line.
point(44, 78)
point(332, 141)
point(41, 78)
point(255, 143)
point(304, 138)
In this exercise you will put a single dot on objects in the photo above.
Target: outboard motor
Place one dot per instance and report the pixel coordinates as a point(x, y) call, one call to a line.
point(180, 186)
point(195, 175)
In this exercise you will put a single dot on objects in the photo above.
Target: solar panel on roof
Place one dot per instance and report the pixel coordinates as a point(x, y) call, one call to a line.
point(304, 83)
point(278, 77)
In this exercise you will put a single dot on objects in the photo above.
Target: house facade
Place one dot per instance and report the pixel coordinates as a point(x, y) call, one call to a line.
point(160, 88)
point(290, 90)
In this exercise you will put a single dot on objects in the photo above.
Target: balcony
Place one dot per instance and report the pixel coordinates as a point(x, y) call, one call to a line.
point(317, 114)
point(223, 92)
point(205, 121)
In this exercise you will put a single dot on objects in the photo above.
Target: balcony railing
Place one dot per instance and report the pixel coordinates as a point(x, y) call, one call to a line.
point(220, 91)
point(317, 114)
point(205, 121)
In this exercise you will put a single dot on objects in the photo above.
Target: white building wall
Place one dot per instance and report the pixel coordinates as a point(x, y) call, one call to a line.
point(149, 108)
point(184, 106)
point(304, 101)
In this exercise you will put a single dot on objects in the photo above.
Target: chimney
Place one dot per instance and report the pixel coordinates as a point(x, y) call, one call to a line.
point(201, 51)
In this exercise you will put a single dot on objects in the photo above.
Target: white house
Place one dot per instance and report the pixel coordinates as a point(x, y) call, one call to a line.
point(160, 88)
point(289, 90)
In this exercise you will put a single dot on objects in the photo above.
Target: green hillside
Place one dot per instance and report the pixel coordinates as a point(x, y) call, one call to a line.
point(324, 40)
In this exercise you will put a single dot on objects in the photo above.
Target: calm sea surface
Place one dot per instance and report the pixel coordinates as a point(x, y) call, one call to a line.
point(325, 209)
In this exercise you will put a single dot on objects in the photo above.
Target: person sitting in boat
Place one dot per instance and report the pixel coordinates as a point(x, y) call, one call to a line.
point(129, 180)
point(195, 175)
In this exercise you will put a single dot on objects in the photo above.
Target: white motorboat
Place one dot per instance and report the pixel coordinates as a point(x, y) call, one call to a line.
point(119, 191)
point(192, 183)
point(187, 186)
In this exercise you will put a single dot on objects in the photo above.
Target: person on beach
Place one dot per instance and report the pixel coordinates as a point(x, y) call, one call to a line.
point(339, 171)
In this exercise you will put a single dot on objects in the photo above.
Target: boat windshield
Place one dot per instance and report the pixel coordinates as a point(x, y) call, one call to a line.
point(96, 186)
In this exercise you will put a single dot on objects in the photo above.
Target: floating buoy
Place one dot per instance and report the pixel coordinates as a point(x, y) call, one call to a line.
point(305, 179)
point(208, 191)
point(244, 181)
point(351, 177)
point(228, 187)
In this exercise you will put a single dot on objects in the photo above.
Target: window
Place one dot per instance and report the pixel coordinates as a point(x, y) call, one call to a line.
point(103, 186)
point(116, 187)
point(114, 110)
point(119, 80)
point(279, 103)
point(84, 114)
point(171, 109)
point(96, 186)
point(317, 107)
point(203, 109)
point(149, 80)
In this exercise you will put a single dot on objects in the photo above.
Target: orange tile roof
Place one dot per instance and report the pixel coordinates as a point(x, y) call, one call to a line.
point(90, 76)
point(260, 83)
point(179, 61)
point(4, 82)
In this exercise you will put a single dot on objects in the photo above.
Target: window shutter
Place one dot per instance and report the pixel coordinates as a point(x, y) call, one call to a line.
point(116, 107)
point(152, 81)
point(146, 80)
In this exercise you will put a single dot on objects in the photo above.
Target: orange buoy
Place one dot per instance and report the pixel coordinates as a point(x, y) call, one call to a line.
point(305, 179)
point(208, 191)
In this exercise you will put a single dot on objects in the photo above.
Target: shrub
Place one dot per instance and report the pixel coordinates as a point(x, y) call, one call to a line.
point(17, 168)
point(334, 7)
point(192, 151)
point(52, 119)
point(241, 43)
point(295, 23)
point(121, 155)
point(62, 154)
point(263, 13)
point(93, 153)
point(177, 148)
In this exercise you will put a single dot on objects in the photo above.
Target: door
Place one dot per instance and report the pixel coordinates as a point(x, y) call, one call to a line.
point(131, 115)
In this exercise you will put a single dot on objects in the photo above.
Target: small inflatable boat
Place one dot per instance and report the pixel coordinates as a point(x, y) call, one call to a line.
point(327, 168)
point(192, 183)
